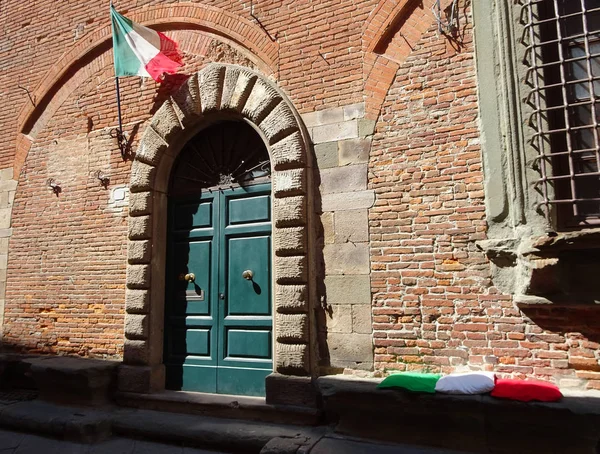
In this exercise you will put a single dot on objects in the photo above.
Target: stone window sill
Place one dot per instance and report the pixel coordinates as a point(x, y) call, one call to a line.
point(560, 269)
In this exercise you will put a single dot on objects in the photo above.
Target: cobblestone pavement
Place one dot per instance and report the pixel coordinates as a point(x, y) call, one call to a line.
point(21, 443)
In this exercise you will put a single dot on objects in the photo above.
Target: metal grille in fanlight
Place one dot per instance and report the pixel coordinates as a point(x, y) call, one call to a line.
point(226, 154)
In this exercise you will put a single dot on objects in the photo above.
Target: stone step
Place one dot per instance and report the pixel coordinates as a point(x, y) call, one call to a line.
point(73, 381)
point(85, 425)
point(220, 406)
point(92, 425)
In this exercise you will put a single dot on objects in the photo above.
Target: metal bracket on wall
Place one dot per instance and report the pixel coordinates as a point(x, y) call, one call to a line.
point(450, 25)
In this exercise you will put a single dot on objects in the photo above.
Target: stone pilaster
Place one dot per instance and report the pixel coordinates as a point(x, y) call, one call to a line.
point(342, 138)
point(8, 186)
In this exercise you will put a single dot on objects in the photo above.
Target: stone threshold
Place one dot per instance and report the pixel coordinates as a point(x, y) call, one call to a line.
point(219, 406)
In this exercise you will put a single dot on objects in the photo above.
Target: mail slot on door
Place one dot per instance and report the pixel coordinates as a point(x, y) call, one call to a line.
point(191, 295)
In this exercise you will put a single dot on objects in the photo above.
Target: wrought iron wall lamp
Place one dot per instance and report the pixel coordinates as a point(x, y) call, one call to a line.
point(53, 186)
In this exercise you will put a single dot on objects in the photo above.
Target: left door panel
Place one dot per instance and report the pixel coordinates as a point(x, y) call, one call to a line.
point(190, 309)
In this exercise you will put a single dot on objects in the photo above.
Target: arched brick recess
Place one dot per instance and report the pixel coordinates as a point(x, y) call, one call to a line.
point(390, 33)
point(65, 74)
point(216, 90)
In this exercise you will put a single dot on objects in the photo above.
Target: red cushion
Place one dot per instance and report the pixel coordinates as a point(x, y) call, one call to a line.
point(526, 390)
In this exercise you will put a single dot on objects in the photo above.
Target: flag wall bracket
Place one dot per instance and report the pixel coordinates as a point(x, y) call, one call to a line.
point(122, 142)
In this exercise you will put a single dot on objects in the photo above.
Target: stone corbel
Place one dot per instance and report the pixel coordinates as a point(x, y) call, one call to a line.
point(541, 269)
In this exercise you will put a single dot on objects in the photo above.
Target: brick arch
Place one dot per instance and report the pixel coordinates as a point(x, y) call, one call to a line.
point(383, 54)
point(65, 72)
point(219, 89)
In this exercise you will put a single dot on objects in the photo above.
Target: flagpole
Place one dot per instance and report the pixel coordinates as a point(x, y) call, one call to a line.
point(120, 135)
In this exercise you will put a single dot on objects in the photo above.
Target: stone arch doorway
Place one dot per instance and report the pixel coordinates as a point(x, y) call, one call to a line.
point(218, 311)
point(221, 92)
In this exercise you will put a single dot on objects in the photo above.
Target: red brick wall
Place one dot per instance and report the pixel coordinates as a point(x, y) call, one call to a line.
point(68, 253)
point(65, 289)
point(319, 53)
point(434, 305)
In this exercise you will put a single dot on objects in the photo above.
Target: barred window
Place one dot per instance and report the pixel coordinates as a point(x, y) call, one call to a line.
point(563, 56)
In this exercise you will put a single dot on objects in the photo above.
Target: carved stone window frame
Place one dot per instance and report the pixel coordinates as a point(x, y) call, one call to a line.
point(220, 91)
point(528, 256)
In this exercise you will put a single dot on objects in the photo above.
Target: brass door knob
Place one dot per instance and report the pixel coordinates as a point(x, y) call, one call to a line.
point(190, 277)
point(248, 275)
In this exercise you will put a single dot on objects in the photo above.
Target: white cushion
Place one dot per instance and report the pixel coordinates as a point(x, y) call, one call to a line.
point(466, 383)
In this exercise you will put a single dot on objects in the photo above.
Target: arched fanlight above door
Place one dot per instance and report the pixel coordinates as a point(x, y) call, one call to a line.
point(227, 153)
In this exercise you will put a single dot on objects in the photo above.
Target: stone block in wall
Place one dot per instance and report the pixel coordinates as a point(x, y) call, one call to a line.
point(211, 87)
point(142, 177)
point(352, 289)
point(279, 122)
point(361, 319)
point(290, 241)
point(366, 127)
point(187, 102)
point(165, 121)
point(352, 226)
point(151, 148)
point(353, 111)
point(292, 328)
point(350, 350)
point(347, 258)
point(136, 351)
point(5, 216)
point(344, 179)
point(140, 228)
point(138, 276)
point(291, 270)
point(354, 151)
point(140, 379)
point(8, 185)
point(327, 155)
point(288, 152)
point(327, 221)
point(261, 100)
point(339, 318)
point(136, 326)
point(229, 83)
point(6, 174)
point(292, 359)
point(140, 203)
point(139, 251)
point(335, 131)
point(3, 261)
point(137, 301)
point(348, 201)
point(290, 390)
point(291, 298)
point(324, 117)
point(289, 211)
point(289, 182)
point(243, 87)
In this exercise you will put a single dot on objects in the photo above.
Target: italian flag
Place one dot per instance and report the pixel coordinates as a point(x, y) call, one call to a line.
point(141, 51)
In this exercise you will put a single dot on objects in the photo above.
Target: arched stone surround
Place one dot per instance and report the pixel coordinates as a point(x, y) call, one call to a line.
point(219, 91)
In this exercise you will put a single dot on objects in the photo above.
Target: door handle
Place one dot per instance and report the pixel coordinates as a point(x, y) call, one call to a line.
point(190, 277)
point(248, 275)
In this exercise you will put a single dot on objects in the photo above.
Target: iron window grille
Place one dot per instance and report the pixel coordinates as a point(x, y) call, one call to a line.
point(563, 60)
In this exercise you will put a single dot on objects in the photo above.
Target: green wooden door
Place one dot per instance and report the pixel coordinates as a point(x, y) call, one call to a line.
point(218, 324)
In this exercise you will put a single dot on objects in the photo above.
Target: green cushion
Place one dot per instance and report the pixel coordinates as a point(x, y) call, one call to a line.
point(413, 381)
